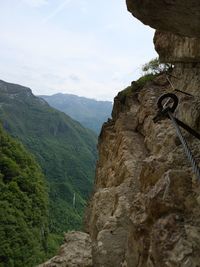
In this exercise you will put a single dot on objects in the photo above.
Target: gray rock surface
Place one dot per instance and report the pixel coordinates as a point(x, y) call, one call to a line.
point(145, 209)
point(75, 252)
point(180, 17)
point(177, 38)
point(174, 48)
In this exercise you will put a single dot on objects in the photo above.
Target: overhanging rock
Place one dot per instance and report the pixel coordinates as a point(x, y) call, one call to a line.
point(180, 17)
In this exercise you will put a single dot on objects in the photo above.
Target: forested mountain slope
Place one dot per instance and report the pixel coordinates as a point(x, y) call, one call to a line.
point(65, 150)
point(89, 112)
point(23, 206)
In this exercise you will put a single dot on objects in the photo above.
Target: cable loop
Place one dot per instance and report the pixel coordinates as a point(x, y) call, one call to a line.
point(166, 111)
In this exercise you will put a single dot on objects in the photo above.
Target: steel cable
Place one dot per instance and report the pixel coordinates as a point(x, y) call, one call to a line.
point(188, 152)
point(165, 110)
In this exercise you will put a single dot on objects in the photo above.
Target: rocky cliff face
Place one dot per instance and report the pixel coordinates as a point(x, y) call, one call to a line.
point(178, 16)
point(75, 252)
point(145, 210)
point(177, 38)
point(175, 48)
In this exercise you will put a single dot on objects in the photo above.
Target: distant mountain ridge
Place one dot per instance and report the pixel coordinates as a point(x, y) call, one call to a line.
point(89, 112)
point(65, 150)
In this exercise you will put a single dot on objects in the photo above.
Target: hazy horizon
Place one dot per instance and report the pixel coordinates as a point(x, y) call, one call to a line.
point(90, 49)
point(81, 96)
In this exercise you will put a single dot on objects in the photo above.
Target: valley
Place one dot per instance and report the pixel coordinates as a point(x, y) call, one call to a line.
point(65, 150)
point(89, 112)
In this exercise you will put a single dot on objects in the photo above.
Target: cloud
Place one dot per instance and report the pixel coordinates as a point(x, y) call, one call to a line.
point(74, 53)
point(74, 78)
point(36, 3)
point(56, 11)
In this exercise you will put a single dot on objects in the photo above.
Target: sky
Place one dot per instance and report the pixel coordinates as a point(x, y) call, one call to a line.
point(91, 48)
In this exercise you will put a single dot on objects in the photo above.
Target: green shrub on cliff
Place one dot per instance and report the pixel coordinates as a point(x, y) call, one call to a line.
point(23, 206)
point(155, 67)
point(150, 70)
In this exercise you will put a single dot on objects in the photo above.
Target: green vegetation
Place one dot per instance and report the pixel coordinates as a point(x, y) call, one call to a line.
point(23, 206)
point(155, 67)
point(135, 87)
point(150, 70)
point(145, 79)
point(64, 149)
point(89, 112)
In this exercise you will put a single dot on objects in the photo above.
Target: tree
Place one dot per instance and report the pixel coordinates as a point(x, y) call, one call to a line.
point(23, 206)
point(155, 67)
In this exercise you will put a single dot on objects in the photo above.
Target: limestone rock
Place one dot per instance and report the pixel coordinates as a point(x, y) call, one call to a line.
point(177, 38)
point(174, 48)
point(180, 17)
point(75, 252)
point(145, 208)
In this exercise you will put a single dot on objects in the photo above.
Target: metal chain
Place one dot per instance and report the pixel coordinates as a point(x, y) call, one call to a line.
point(188, 152)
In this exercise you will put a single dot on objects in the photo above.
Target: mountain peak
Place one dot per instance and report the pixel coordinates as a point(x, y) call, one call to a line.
point(14, 89)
